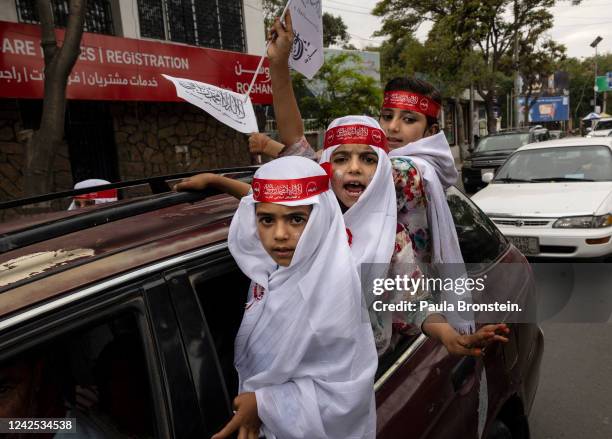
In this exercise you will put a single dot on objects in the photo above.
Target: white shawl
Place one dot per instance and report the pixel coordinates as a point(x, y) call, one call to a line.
point(305, 347)
point(372, 220)
point(434, 159)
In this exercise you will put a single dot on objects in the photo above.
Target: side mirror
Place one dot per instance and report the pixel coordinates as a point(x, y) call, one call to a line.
point(471, 149)
point(487, 177)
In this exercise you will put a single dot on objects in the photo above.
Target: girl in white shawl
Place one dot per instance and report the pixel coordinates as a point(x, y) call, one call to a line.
point(429, 236)
point(304, 351)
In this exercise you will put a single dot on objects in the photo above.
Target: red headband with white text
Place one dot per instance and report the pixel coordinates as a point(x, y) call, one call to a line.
point(356, 134)
point(407, 100)
point(278, 191)
point(107, 194)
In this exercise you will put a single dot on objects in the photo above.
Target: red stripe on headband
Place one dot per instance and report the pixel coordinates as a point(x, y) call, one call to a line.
point(110, 193)
point(405, 100)
point(356, 134)
point(277, 191)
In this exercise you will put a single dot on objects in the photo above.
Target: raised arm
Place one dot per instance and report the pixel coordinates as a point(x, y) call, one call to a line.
point(235, 188)
point(286, 111)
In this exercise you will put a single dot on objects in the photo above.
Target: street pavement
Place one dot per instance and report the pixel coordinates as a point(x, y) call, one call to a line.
point(574, 398)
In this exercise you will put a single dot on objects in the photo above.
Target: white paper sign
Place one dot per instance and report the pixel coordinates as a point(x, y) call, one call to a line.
point(224, 105)
point(307, 54)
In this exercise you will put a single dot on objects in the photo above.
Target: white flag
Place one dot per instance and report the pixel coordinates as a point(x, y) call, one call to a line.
point(224, 105)
point(307, 19)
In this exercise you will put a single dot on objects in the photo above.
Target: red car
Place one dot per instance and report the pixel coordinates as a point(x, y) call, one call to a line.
point(122, 318)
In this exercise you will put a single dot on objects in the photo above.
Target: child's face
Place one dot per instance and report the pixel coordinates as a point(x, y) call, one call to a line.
point(279, 228)
point(80, 203)
point(403, 126)
point(353, 166)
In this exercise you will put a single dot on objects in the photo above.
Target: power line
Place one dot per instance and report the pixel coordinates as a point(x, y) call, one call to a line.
point(349, 5)
point(346, 10)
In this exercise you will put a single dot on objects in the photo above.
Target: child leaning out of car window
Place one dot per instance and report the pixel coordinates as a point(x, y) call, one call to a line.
point(425, 229)
point(304, 352)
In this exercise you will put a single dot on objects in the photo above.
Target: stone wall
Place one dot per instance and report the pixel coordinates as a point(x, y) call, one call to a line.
point(167, 138)
point(13, 143)
point(12, 153)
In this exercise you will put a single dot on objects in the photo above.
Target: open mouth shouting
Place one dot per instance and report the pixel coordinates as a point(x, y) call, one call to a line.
point(354, 189)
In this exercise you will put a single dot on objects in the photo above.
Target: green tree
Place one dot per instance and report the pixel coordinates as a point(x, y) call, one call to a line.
point(468, 27)
point(582, 78)
point(271, 10)
point(334, 30)
point(337, 89)
point(536, 65)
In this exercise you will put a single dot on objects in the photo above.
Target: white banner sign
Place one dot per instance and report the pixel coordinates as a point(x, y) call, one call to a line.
point(307, 54)
point(224, 105)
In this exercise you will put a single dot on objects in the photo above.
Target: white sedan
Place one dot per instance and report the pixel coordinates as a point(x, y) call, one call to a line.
point(554, 198)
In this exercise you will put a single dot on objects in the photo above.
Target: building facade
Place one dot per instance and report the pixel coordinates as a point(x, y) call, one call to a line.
point(123, 119)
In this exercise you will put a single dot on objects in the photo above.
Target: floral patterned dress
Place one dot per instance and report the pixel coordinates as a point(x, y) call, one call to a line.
point(412, 248)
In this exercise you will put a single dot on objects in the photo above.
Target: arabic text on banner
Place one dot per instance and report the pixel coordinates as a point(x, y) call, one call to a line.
point(226, 106)
point(307, 53)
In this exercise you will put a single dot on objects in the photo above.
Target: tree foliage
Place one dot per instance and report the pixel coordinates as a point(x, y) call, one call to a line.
point(271, 10)
point(334, 30)
point(582, 78)
point(339, 89)
point(471, 39)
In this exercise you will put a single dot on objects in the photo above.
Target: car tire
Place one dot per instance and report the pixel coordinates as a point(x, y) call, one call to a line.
point(499, 430)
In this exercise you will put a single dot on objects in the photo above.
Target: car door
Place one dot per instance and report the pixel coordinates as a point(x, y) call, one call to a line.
point(208, 295)
point(111, 355)
point(422, 391)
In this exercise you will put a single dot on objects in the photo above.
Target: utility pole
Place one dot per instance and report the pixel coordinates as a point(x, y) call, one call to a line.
point(595, 87)
point(517, 80)
point(594, 44)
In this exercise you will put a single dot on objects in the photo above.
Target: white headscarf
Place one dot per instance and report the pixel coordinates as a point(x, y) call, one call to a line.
point(372, 220)
point(304, 346)
point(434, 159)
point(106, 196)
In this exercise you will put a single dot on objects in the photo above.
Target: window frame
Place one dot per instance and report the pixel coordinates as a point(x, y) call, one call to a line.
point(96, 310)
point(199, 38)
point(474, 268)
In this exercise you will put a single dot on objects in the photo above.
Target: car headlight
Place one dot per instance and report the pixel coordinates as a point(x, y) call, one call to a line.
point(584, 222)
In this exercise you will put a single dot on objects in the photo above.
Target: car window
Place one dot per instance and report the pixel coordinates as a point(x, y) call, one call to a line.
point(603, 125)
point(222, 294)
point(96, 375)
point(502, 142)
point(567, 163)
point(480, 241)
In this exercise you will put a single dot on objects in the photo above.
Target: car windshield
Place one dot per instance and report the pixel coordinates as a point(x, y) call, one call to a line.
point(502, 142)
point(603, 125)
point(573, 163)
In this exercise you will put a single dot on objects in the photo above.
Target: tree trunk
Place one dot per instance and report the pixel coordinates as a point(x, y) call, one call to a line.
point(59, 61)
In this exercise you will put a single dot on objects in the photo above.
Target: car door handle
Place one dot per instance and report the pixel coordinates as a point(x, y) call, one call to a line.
point(462, 372)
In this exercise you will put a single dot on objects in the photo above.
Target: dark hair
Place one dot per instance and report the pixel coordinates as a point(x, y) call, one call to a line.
point(417, 86)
